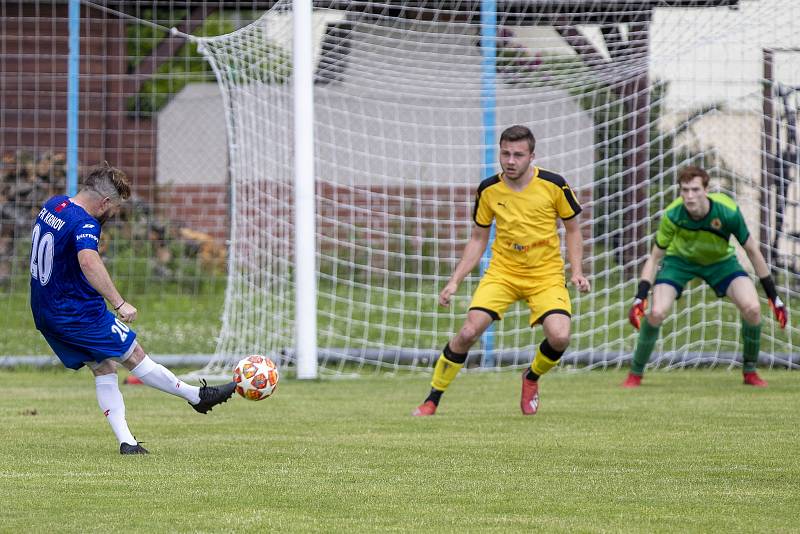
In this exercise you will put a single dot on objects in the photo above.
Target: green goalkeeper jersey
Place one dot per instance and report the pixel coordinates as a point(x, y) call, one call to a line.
point(703, 241)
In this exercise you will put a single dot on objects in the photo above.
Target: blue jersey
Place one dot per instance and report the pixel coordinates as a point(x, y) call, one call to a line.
point(61, 296)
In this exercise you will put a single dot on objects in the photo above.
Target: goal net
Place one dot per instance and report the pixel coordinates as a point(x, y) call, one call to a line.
point(408, 99)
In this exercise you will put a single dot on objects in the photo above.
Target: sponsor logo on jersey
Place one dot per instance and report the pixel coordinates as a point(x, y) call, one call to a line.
point(81, 236)
point(526, 248)
point(88, 226)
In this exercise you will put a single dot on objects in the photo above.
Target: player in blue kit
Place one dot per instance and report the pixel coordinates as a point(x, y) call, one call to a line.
point(69, 287)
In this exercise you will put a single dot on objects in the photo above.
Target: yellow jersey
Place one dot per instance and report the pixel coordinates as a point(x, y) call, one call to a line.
point(526, 240)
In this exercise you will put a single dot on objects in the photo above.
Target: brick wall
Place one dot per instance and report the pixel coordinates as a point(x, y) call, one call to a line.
point(202, 208)
point(34, 39)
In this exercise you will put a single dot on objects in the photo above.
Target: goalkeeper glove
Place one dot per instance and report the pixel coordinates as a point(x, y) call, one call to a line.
point(775, 302)
point(639, 304)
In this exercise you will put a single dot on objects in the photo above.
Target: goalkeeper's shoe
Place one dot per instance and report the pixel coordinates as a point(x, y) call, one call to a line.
point(425, 409)
point(210, 396)
point(752, 379)
point(633, 381)
point(529, 401)
point(136, 448)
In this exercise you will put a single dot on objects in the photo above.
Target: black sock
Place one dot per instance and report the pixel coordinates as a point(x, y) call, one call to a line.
point(434, 396)
point(531, 375)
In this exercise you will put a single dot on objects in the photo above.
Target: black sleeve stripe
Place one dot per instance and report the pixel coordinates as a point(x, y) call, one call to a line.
point(487, 182)
point(552, 177)
point(483, 185)
point(561, 183)
point(573, 203)
point(660, 246)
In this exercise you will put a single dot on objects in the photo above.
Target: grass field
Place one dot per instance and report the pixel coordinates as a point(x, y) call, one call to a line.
point(691, 451)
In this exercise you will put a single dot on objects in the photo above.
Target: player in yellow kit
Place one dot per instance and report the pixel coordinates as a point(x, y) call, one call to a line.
point(525, 203)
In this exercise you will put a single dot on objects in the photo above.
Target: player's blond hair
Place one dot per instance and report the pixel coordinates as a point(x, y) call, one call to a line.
point(108, 181)
point(687, 174)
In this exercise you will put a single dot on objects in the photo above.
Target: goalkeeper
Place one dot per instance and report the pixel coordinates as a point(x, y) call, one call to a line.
point(525, 202)
point(693, 242)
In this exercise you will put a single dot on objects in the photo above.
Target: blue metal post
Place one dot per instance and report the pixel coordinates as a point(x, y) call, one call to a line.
point(73, 100)
point(488, 105)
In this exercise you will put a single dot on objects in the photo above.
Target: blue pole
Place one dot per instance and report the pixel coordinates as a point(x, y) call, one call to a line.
point(488, 105)
point(73, 101)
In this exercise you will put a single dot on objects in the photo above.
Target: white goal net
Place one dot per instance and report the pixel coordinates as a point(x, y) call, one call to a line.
point(406, 102)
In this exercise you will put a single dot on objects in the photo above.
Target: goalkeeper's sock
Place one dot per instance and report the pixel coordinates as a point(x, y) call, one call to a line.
point(447, 367)
point(434, 396)
point(109, 398)
point(546, 358)
point(751, 341)
point(648, 335)
point(159, 377)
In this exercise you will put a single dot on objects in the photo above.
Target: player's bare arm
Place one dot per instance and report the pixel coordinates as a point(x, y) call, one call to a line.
point(651, 265)
point(96, 273)
point(751, 247)
point(646, 280)
point(575, 254)
point(469, 259)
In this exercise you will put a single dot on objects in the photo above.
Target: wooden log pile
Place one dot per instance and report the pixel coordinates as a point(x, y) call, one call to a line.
point(27, 181)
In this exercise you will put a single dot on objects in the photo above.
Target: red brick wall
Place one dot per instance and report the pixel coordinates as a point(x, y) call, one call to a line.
point(378, 221)
point(33, 90)
point(202, 208)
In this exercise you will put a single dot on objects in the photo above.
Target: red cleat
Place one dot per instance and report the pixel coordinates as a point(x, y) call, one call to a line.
point(424, 409)
point(752, 379)
point(633, 381)
point(529, 402)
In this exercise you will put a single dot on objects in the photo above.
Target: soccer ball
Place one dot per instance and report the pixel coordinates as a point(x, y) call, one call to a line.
point(256, 377)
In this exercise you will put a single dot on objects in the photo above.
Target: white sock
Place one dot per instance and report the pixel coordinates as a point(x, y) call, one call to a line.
point(110, 400)
point(157, 376)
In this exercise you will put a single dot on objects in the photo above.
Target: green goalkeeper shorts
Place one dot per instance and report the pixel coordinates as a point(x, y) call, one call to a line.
point(677, 272)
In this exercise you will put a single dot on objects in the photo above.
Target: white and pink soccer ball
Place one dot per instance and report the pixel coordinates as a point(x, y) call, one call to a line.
point(256, 377)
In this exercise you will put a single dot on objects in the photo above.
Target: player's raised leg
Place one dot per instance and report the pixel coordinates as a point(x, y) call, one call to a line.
point(556, 331)
point(159, 377)
point(664, 296)
point(452, 359)
point(743, 294)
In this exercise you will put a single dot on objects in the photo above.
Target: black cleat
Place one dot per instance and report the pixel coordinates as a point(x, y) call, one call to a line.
point(210, 396)
point(127, 448)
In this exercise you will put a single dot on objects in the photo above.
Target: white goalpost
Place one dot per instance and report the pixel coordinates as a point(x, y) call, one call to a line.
point(362, 201)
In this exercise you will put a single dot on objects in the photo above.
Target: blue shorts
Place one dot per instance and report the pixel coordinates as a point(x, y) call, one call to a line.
point(77, 344)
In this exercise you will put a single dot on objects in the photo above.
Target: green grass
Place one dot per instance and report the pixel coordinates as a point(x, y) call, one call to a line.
point(179, 319)
point(168, 323)
point(690, 451)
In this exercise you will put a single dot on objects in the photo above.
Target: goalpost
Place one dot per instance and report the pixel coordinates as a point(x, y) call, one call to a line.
point(619, 100)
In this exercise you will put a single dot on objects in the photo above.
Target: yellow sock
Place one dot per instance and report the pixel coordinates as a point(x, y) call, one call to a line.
point(444, 372)
point(541, 363)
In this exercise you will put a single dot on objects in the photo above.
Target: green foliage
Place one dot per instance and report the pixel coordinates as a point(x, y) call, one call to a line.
point(188, 65)
point(691, 451)
point(269, 62)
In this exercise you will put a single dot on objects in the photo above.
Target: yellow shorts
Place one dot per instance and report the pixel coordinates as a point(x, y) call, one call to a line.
point(497, 291)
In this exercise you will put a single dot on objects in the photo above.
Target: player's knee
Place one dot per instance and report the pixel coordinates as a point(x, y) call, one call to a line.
point(559, 341)
point(135, 358)
point(751, 313)
point(106, 367)
point(657, 316)
point(468, 334)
